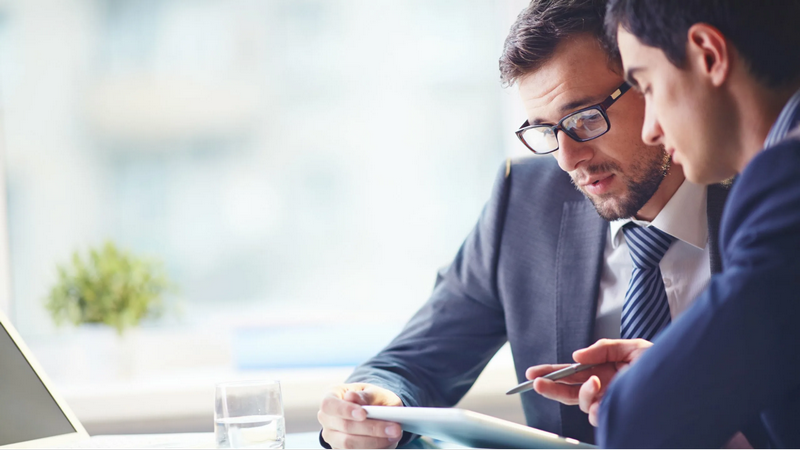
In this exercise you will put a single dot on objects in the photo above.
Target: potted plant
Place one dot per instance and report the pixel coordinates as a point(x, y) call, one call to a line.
point(110, 286)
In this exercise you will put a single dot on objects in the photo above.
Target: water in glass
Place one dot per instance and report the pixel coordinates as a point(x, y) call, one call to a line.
point(262, 431)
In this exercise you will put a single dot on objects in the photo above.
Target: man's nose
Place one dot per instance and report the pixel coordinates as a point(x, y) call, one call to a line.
point(572, 153)
point(652, 134)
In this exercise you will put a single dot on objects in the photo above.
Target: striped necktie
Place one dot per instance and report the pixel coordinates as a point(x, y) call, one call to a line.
point(646, 310)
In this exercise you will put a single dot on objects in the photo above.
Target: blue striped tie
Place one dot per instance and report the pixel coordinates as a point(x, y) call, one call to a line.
point(646, 310)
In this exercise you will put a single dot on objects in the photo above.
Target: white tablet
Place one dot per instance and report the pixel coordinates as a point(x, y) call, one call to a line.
point(470, 428)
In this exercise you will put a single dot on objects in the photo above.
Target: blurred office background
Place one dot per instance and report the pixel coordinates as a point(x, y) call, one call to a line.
point(302, 168)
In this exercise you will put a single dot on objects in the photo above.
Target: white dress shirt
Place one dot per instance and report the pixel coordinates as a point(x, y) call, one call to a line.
point(685, 266)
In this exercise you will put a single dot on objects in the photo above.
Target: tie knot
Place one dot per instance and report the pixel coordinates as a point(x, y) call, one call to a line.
point(646, 245)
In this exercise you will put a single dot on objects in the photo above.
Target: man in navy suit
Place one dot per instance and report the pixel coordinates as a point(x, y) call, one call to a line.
point(544, 269)
point(721, 82)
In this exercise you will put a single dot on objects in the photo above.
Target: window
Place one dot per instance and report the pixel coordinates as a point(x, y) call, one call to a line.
point(301, 167)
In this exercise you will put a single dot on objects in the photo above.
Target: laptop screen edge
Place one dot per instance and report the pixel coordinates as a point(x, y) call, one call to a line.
point(79, 433)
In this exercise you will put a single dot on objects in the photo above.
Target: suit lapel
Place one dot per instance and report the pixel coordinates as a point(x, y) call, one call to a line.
point(579, 256)
point(579, 261)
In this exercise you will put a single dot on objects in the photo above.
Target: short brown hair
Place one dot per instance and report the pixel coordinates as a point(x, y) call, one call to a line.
point(541, 26)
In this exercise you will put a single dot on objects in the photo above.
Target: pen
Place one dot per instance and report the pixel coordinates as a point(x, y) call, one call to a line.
point(552, 376)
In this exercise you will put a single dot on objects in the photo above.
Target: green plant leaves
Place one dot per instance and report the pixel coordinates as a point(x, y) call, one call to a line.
point(110, 286)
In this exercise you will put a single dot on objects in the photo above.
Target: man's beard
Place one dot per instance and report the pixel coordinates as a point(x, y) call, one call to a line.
point(643, 180)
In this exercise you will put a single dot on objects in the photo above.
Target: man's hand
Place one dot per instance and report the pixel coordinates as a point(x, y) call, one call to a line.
point(586, 388)
point(345, 424)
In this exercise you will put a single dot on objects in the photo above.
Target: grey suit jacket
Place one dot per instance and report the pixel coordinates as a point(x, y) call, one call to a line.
point(528, 273)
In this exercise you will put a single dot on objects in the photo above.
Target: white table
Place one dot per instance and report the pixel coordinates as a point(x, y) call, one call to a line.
point(206, 440)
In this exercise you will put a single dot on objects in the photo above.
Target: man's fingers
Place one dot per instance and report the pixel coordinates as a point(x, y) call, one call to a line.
point(337, 439)
point(542, 370)
point(576, 378)
point(358, 397)
point(589, 393)
point(364, 397)
point(611, 350)
point(365, 394)
point(368, 428)
point(344, 420)
point(605, 372)
point(344, 408)
point(560, 392)
point(594, 410)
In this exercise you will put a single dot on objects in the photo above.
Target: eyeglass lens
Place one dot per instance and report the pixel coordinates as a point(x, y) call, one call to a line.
point(585, 124)
point(541, 139)
point(582, 126)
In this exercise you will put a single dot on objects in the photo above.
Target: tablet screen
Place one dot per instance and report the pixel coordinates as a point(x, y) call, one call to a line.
point(470, 428)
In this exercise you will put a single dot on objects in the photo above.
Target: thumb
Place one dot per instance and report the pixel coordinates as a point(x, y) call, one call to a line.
point(363, 397)
point(357, 397)
point(589, 393)
point(596, 385)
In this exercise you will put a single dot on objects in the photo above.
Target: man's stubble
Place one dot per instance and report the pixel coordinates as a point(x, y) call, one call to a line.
point(641, 181)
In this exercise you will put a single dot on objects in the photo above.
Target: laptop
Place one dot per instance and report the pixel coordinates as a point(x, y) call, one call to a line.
point(33, 415)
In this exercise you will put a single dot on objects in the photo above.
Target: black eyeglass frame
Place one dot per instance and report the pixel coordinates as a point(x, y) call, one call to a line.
point(602, 107)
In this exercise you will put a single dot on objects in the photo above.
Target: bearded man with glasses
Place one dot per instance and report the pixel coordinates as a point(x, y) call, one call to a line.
point(542, 269)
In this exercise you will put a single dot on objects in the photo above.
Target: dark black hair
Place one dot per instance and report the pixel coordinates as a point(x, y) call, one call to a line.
point(765, 33)
point(541, 26)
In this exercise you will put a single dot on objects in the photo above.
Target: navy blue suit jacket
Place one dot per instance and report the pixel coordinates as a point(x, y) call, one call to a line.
point(732, 361)
point(528, 273)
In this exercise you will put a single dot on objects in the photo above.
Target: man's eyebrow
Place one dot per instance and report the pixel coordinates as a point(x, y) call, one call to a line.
point(581, 102)
point(629, 76)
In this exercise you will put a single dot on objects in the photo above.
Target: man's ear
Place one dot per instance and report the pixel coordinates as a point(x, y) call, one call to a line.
point(708, 53)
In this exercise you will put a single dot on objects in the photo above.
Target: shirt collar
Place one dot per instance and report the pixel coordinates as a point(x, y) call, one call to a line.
point(787, 119)
point(677, 218)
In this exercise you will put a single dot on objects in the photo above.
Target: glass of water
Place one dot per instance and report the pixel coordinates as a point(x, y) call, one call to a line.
point(249, 414)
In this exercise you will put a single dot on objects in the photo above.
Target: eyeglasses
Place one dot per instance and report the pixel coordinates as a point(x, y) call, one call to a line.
point(582, 125)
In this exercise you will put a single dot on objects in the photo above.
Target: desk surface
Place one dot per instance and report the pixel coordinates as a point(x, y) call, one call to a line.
point(206, 440)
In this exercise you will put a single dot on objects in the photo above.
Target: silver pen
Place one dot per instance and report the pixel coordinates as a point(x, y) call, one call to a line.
point(552, 376)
